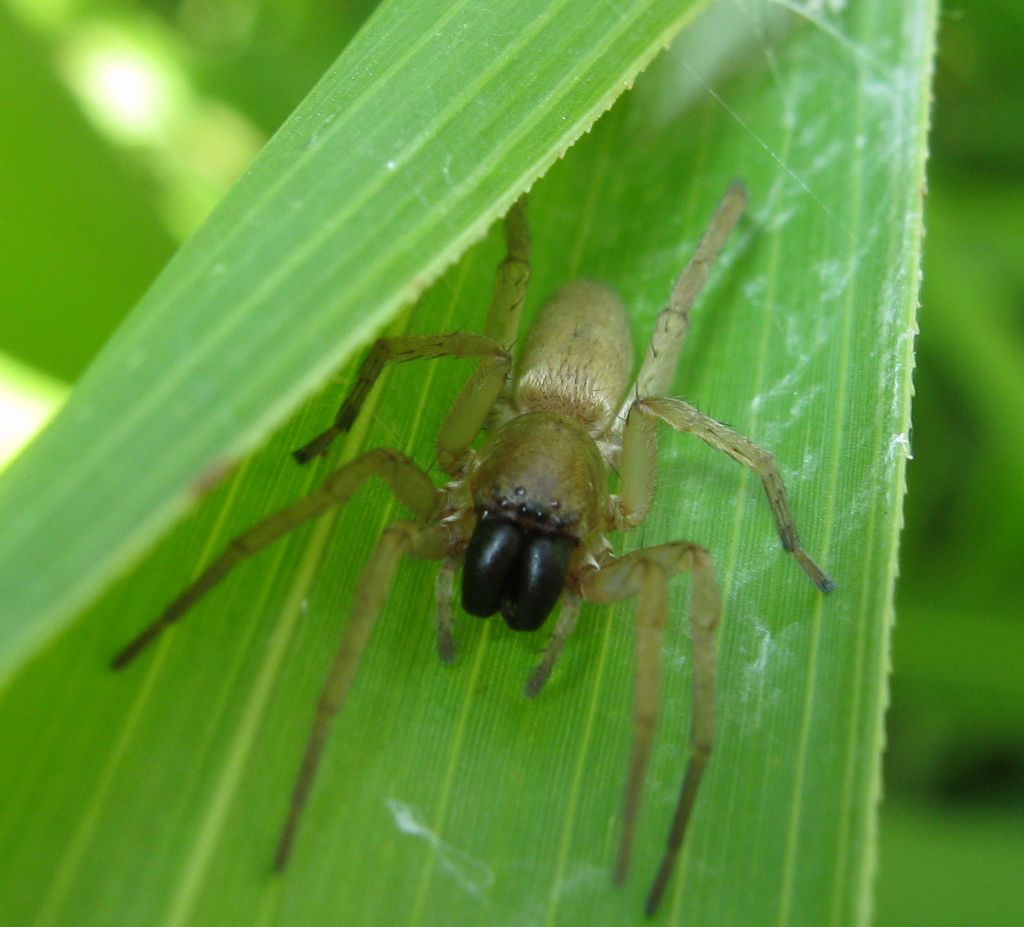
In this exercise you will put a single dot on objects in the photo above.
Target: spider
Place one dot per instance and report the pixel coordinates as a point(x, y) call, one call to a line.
point(525, 514)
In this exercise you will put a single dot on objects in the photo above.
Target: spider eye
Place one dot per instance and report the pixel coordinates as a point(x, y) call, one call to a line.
point(492, 553)
point(537, 582)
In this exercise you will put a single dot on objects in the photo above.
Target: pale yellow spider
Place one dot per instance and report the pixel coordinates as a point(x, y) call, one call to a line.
point(525, 514)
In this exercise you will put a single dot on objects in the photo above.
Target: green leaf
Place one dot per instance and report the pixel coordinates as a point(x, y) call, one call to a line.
point(445, 797)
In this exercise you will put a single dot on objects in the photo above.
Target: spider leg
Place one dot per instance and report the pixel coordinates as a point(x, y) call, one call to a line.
point(445, 591)
point(469, 412)
point(400, 350)
point(474, 403)
point(566, 625)
point(513, 278)
point(494, 349)
point(638, 469)
point(684, 417)
point(645, 573)
point(412, 486)
point(399, 539)
point(659, 364)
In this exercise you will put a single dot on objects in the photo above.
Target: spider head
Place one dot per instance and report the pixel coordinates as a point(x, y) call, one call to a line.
point(539, 488)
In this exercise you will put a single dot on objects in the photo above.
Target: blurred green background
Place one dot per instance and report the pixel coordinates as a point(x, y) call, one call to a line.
point(123, 123)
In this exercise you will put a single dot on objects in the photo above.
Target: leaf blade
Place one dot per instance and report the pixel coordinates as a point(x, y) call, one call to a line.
point(474, 803)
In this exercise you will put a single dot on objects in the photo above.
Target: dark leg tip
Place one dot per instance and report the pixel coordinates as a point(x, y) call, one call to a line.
point(307, 452)
point(318, 445)
point(656, 893)
point(124, 657)
point(281, 857)
point(446, 649)
point(535, 684)
point(826, 584)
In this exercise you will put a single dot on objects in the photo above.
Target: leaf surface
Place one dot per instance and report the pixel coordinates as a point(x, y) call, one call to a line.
point(446, 797)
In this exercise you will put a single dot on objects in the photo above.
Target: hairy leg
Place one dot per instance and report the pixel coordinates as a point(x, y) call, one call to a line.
point(563, 629)
point(445, 589)
point(494, 348)
point(659, 364)
point(400, 350)
point(412, 486)
point(684, 417)
point(645, 573)
point(513, 279)
point(397, 540)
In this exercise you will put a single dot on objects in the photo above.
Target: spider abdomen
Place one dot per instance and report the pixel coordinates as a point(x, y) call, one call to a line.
point(578, 357)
